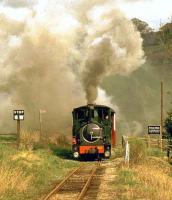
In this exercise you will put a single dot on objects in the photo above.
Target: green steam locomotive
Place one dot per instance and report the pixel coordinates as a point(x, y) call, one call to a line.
point(93, 131)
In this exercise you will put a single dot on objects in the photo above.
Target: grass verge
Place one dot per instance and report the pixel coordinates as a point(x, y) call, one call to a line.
point(151, 180)
point(27, 174)
point(149, 175)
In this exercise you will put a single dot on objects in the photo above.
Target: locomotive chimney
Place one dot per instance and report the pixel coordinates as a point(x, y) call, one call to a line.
point(91, 105)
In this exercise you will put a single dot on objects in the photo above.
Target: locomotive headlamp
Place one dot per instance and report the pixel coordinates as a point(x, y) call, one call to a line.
point(75, 154)
point(107, 154)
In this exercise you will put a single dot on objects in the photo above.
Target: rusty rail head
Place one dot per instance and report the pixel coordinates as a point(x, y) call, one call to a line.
point(85, 188)
point(58, 187)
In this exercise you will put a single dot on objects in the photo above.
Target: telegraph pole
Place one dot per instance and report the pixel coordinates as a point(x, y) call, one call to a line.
point(162, 114)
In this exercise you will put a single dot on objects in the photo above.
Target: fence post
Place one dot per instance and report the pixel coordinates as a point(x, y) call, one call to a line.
point(149, 141)
point(127, 153)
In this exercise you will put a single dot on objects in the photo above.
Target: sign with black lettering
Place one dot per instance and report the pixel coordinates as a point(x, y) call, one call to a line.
point(154, 129)
point(18, 114)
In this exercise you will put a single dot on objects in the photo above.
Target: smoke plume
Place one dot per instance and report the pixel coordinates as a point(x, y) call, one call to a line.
point(44, 68)
point(114, 47)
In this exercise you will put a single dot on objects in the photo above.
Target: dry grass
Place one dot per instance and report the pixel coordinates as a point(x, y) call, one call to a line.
point(147, 177)
point(27, 174)
point(156, 180)
point(13, 179)
point(29, 138)
point(59, 140)
point(138, 151)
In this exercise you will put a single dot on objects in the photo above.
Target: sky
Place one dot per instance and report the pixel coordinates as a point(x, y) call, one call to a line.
point(153, 12)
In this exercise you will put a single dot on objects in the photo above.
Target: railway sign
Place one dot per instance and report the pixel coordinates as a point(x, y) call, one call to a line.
point(18, 115)
point(154, 129)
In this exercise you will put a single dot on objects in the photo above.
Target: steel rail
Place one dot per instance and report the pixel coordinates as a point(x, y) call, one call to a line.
point(58, 187)
point(85, 188)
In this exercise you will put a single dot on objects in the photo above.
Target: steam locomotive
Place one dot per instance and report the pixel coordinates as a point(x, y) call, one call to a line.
point(93, 131)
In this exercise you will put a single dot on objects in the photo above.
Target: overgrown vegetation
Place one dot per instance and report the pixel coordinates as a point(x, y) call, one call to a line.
point(26, 174)
point(150, 180)
point(147, 177)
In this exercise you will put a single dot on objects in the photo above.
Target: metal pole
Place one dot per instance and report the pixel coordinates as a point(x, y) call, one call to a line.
point(18, 134)
point(161, 130)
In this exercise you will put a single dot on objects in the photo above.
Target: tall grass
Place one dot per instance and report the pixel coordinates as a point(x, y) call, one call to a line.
point(156, 179)
point(148, 177)
point(28, 138)
point(138, 151)
point(26, 174)
point(32, 137)
point(13, 179)
point(149, 181)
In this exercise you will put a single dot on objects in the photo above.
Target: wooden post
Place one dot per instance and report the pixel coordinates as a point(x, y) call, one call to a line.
point(127, 153)
point(18, 134)
point(149, 142)
point(40, 123)
point(161, 129)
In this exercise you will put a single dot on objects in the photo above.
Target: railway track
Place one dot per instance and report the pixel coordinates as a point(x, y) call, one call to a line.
point(82, 183)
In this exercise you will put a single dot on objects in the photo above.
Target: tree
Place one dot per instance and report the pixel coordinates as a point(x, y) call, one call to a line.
point(165, 35)
point(141, 26)
point(168, 124)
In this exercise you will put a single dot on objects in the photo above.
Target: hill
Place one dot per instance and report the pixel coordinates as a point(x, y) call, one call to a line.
point(138, 95)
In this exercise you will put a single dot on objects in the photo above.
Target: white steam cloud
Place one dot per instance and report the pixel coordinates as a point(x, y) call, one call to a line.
point(18, 3)
point(43, 67)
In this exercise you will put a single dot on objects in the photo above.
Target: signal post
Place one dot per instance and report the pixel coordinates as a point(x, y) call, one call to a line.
point(18, 115)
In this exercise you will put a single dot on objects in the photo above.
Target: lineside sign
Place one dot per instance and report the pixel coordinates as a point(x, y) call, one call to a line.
point(153, 129)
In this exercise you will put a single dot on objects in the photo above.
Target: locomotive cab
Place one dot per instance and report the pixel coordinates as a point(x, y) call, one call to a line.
point(93, 130)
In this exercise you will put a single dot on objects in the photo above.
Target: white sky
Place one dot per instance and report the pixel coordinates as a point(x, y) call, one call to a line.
point(152, 11)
